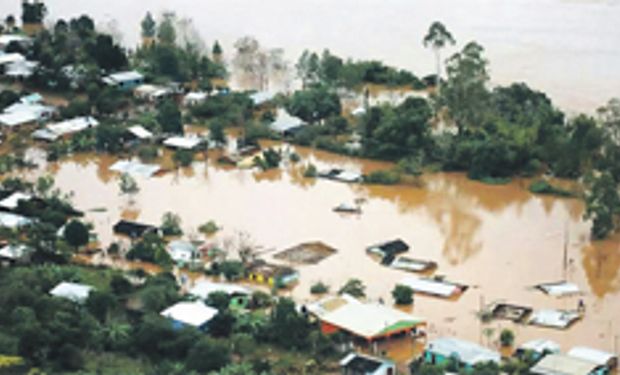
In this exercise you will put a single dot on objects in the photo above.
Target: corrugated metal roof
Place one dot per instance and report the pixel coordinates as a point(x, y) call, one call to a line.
point(195, 313)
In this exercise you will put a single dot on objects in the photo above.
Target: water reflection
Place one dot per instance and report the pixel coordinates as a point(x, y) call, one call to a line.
point(601, 263)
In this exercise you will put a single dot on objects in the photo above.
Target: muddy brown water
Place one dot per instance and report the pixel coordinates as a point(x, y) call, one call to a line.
point(501, 240)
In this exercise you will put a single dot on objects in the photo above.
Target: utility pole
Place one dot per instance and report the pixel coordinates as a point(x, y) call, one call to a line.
point(565, 258)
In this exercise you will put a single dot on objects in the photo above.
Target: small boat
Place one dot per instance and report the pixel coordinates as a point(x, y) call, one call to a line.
point(347, 208)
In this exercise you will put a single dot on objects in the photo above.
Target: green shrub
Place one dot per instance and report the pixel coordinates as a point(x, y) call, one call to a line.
point(403, 295)
point(208, 228)
point(310, 171)
point(183, 158)
point(148, 153)
point(319, 288)
point(544, 187)
point(382, 177)
point(506, 337)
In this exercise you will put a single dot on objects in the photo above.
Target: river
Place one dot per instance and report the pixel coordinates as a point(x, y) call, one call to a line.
point(500, 240)
point(567, 48)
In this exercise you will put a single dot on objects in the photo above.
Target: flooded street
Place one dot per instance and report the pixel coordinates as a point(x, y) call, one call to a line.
point(500, 240)
point(566, 48)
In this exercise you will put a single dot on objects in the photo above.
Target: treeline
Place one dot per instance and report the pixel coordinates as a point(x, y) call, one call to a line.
point(491, 134)
point(338, 72)
point(118, 328)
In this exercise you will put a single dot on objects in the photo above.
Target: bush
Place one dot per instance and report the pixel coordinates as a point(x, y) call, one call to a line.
point(148, 153)
point(207, 355)
point(403, 295)
point(506, 337)
point(294, 157)
point(232, 270)
point(208, 228)
point(310, 171)
point(319, 288)
point(544, 187)
point(353, 287)
point(382, 177)
point(269, 159)
point(171, 224)
point(183, 158)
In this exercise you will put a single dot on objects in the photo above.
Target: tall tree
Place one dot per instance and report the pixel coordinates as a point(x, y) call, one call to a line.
point(76, 234)
point(169, 118)
point(602, 205)
point(465, 93)
point(166, 33)
point(148, 25)
point(437, 38)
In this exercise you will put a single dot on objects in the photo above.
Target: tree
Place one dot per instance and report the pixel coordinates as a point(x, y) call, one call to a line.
point(166, 32)
point(128, 185)
point(33, 12)
point(148, 25)
point(108, 55)
point(169, 118)
point(171, 224)
point(437, 38)
point(602, 205)
point(506, 337)
point(403, 295)
point(76, 234)
point(207, 355)
point(610, 119)
point(319, 288)
point(287, 327)
point(217, 52)
point(465, 93)
point(151, 248)
point(216, 133)
point(314, 104)
point(353, 287)
point(308, 67)
point(183, 158)
point(44, 185)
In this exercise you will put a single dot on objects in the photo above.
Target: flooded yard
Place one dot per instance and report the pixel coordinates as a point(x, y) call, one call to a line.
point(499, 240)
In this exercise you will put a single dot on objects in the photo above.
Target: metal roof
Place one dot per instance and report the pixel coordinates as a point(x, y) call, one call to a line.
point(465, 351)
point(559, 364)
point(72, 291)
point(195, 313)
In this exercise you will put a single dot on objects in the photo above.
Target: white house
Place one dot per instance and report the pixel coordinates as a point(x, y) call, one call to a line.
point(194, 314)
point(72, 291)
point(54, 131)
point(124, 80)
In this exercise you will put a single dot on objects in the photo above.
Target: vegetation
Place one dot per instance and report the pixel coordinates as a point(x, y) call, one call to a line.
point(507, 337)
point(171, 224)
point(544, 187)
point(76, 234)
point(382, 177)
point(209, 228)
point(183, 158)
point(319, 288)
point(403, 295)
point(269, 159)
point(353, 287)
point(151, 248)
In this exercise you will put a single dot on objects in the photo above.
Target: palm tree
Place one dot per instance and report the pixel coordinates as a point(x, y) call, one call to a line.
point(437, 38)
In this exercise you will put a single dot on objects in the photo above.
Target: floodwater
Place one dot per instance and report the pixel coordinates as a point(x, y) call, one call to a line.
point(500, 240)
point(567, 48)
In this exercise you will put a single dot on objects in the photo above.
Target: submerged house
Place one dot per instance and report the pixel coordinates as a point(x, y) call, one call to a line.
point(124, 80)
point(606, 362)
point(57, 130)
point(433, 287)
point(362, 364)
point(26, 112)
point(183, 143)
point(286, 125)
point(239, 295)
point(271, 274)
point(560, 364)
point(183, 252)
point(133, 229)
point(190, 314)
point(466, 354)
point(388, 250)
point(538, 348)
point(366, 321)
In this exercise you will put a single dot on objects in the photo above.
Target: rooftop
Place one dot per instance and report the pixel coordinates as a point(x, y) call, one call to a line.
point(126, 76)
point(593, 355)
point(195, 313)
point(186, 143)
point(559, 364)
point(71, 291)
point(466, 352)
point(135, 168)
point(368, 320)
point(12, 200)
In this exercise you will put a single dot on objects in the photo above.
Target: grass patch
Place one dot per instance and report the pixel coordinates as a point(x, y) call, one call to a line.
point(495, 180)
point(114, 363)
point(544, 187)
